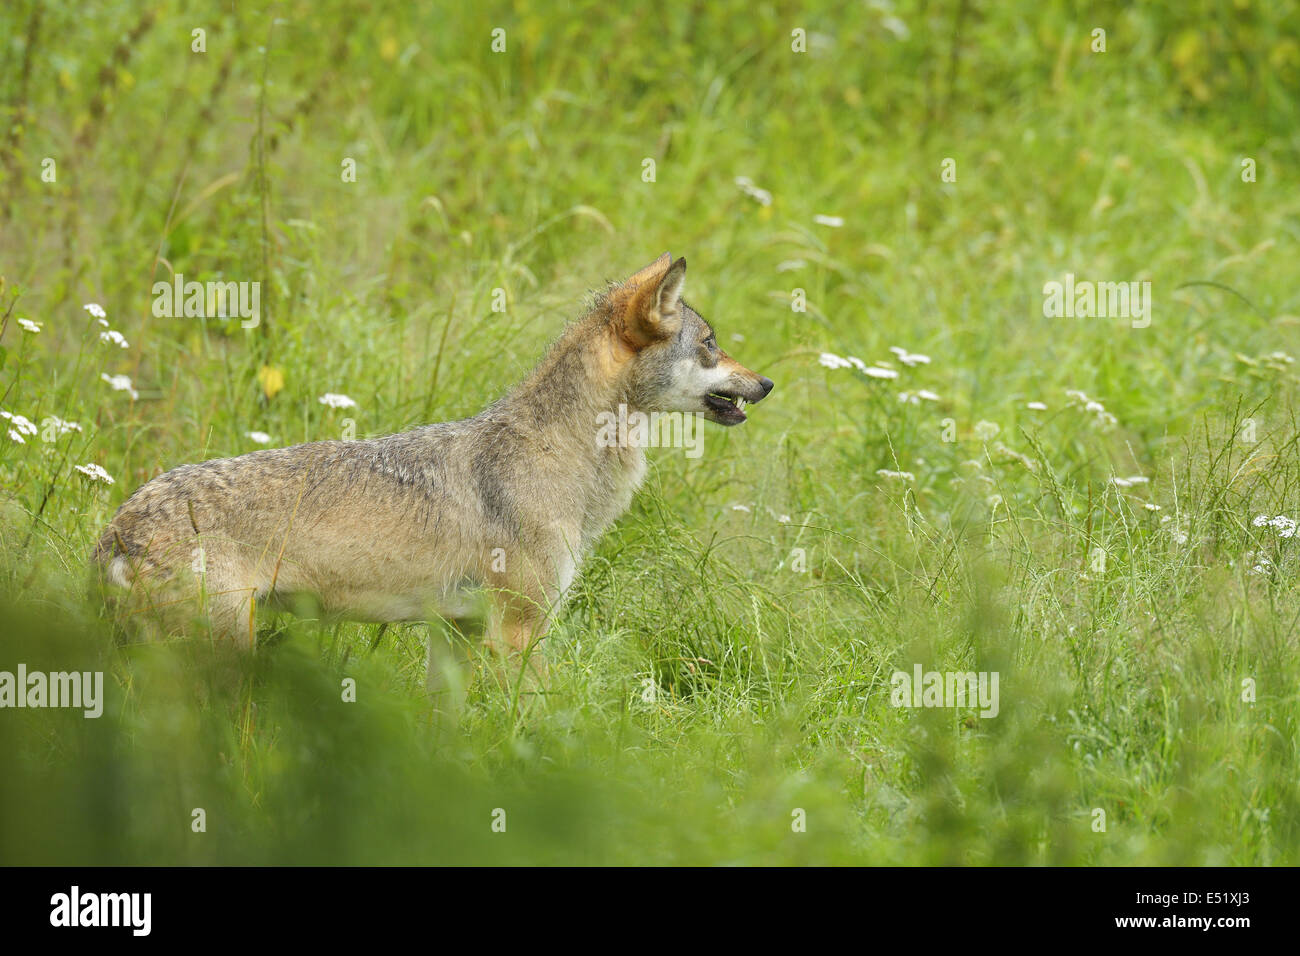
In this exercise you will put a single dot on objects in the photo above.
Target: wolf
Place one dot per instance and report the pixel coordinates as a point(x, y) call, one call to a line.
point(423, 524)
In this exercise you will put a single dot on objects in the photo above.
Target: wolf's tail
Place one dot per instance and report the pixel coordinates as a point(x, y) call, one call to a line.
point(112, 559)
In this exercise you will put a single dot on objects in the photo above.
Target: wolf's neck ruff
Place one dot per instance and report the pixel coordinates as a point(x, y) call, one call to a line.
point(581, 373)
point(552, 417)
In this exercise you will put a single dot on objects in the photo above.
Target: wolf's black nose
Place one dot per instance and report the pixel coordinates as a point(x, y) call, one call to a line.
point(766, 385)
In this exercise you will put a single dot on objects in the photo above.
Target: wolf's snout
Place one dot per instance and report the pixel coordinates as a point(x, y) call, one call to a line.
point(757, 388)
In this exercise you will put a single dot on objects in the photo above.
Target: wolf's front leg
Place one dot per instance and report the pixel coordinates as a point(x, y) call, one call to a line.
point(514, 635)
point(446, 679)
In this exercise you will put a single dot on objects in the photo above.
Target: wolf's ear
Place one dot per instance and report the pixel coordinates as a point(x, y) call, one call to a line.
point(652, 309)
point(669, 294)
point(650, 273)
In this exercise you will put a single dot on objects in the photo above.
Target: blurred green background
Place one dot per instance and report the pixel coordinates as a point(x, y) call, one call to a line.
point(725, 661)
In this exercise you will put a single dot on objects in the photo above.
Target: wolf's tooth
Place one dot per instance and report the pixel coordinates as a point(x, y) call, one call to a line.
point(740, 403)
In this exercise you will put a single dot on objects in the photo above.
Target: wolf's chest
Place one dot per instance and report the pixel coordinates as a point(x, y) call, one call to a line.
point(624, 471)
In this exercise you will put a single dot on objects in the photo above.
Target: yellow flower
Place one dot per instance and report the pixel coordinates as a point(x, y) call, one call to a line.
point(271, 379)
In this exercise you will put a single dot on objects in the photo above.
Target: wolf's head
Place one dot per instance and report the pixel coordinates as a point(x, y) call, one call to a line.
point(674, 362)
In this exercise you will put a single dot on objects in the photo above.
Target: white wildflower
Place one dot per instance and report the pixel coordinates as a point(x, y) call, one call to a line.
point(113, 337)
point(1284, 526)
point(904, 475)
point(876, 372)
point(61, 427)
point(910, 358)
point(831, 360)
point(761, 196)
point(27, 325)
point(262, 438)
point(1079, 399)
point(1037, 406)
point(833, 221)
point(120, 383)
point(21, 422)
point(21, 426)
point(744, 508)
point(95, 473)
point(336, 401)
point(95, 309)
point(986, 431)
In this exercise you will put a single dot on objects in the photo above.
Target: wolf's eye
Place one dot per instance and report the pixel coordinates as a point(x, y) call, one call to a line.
point(710, 342)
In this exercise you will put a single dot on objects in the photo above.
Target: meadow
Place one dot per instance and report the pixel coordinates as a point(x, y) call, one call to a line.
point(873, 198)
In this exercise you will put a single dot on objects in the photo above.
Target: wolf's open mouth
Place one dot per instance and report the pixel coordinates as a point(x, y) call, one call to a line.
point(728, 408)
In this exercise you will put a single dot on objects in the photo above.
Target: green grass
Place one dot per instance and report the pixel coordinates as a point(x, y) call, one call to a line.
point(1122, 634)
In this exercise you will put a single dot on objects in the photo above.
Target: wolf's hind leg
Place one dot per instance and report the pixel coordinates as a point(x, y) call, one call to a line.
point(232, 613)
